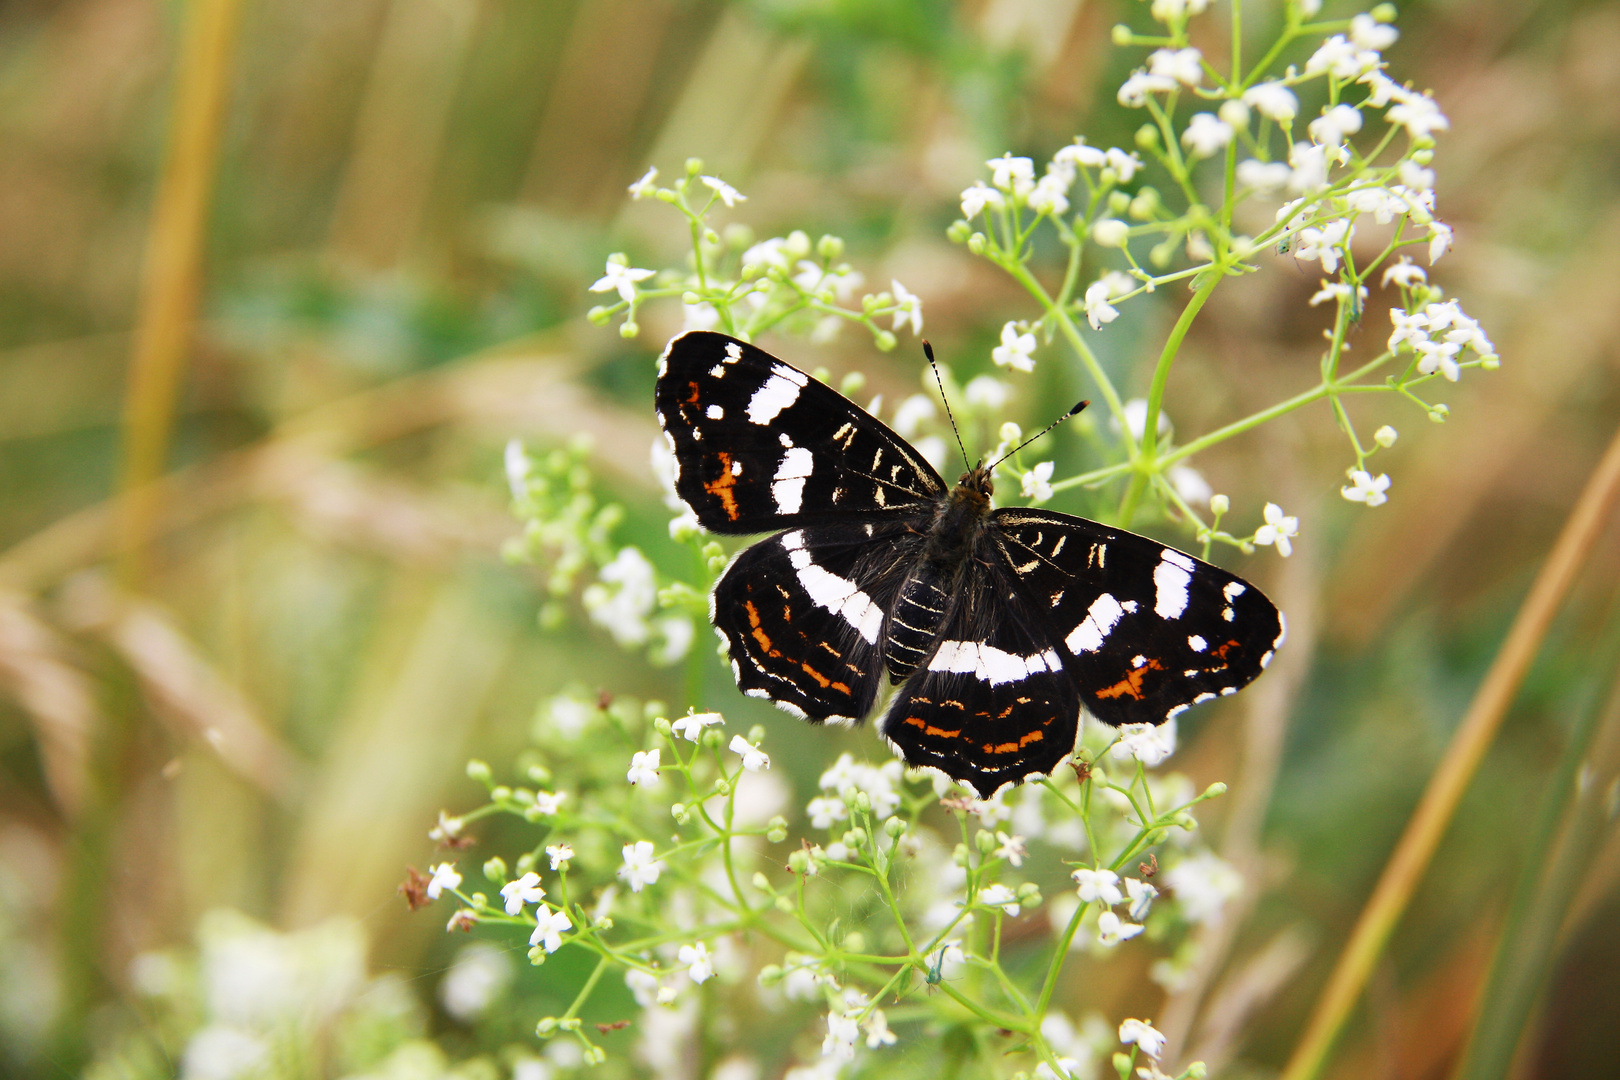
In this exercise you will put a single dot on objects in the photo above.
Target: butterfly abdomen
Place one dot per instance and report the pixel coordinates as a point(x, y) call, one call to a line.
point(919, 611)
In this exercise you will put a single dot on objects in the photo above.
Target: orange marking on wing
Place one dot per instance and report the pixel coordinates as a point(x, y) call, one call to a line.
point(822, 679)
point(942, 733)
point(1220, 653)
point(915, 722)
point(692, 398)
point(1131, 685)
point(759, 634)
point(1001, 748)
point(720, 487)
point(1034, 736)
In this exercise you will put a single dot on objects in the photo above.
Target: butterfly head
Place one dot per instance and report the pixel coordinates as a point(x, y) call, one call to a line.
point(978, 481)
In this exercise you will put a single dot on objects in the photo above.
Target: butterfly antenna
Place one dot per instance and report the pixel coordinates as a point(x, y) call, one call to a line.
point(928, 351)
point(1043, 431)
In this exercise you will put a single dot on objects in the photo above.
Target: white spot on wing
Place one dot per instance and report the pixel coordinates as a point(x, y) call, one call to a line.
point(736, 468)
point(1129, 606)
point(827, 590)
point(1197, 643)
point(717, 371)
point(1170, 580)
point(990, 664)
point(733, 352)
point(1234, 589)
point(715, 412)
point(787, 487)
point(776, 394)
point(1100, 620)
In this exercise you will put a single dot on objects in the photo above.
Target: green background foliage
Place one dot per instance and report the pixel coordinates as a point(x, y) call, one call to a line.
point(268, 713)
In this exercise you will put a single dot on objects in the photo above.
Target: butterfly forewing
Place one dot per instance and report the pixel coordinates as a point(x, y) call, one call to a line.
point(803, 613)
point(759, 445)
point(1147, 631)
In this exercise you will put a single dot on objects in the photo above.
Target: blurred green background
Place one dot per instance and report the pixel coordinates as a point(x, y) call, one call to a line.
point(265, 705)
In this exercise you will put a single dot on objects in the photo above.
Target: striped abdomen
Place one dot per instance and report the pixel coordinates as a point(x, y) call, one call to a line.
point(915, 621)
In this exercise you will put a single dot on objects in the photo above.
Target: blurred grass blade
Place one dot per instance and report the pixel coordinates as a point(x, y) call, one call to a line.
point(170, 278)
point(1568, 831)
point(1473, 737)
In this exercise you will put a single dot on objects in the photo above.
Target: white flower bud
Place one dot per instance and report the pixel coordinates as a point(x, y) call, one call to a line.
point(1110, 232)
point(1385, 436)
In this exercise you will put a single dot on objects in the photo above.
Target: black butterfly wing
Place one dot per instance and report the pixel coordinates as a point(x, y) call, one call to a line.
point(759, 445)
point(1145, 631)
point(803, 615)
point(993, 703)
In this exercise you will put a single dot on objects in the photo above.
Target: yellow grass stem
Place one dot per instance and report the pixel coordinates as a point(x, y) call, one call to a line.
point(171, 274)
point(1473, 737)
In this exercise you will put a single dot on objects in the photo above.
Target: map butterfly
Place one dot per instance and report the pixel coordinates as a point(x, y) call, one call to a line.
point(998, 625)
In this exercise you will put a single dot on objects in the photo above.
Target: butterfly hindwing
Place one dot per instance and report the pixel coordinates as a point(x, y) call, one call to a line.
point(1145, 630)
point(759, 445)
point(803, 612)
point(994, 702)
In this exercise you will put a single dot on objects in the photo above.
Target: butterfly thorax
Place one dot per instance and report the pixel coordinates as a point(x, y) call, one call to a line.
point(932, 587)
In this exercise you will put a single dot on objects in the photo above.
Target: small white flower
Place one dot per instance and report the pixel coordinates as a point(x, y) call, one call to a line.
point(912, 413)
point(1148, 743)
point(1015, 350)
point(698, 960)
point(560, 854)
point(1412, 328)
point(1206, 135)
point(1012, 848)
point(1190, 484)
point(1099, 312)
point(1439, 240)
point(640, 868)
point(1339, 56)
point(547, 804)
point(1000, 896)
point(772, 253)
point(517, 469)
point(549, 930)
point(1278, 529)
point(1111, 929)
point(825, 812)
point(1012, 173)
point(1365, 488)
point(909, 309)
point(643, 767)
point(1098, 885)
point(728, 194)
point(983, 392)
point(645, 188)
point(1265, 177)
point(624, 594)
point(1185, 66)
point(1141, 894)
point(691, 726)
point(1110, 232)
point(1051, 195)
point(1077, 154)
point(1123, 164)
point(1272, 100)
point(1133, 93)
point(643, 986)
point(1439, 356)
point(1419, 114)
point(1037, 482)
point(447, 829)
point(621, 276)
point(1203, 884)
point(525, 890)
point(1367, 32)
point(444, 877)
point(699, 316)
point(979, 196)
point(1405, 273)
point(1385, 436)
point(1335, 125)
point(877, 1031)
point(1136, 410)
point(1415, 176)
point(1324, 243)
point(754, 759)
point(1331, 291)
point(1143, 1034)
point(842, 1031)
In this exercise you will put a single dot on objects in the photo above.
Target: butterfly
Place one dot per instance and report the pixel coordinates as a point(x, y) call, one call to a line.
point(998, 625)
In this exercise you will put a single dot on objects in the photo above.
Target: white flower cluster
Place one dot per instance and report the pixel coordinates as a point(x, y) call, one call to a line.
point(1437, 334)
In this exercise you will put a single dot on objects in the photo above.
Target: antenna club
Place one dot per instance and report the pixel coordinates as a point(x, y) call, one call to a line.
point(1076, 410)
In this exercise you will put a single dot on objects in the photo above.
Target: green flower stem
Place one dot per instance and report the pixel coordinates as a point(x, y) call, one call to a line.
point(1021, 274)
point(1146, 460)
